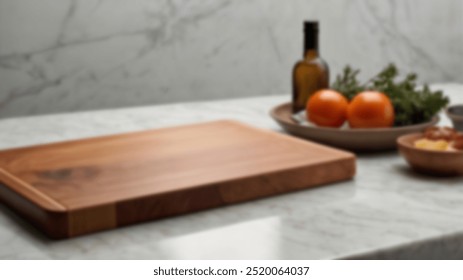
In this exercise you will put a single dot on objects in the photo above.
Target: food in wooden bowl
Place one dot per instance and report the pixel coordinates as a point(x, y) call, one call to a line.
point(440, 139)
point(437, 151)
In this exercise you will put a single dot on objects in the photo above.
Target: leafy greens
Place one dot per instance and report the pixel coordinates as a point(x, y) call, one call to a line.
point(412, 105)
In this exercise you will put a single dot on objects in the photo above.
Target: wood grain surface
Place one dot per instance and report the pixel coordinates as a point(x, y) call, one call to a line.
point(77, 187)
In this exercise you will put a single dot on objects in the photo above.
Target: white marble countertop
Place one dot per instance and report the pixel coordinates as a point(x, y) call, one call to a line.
point(387, 211)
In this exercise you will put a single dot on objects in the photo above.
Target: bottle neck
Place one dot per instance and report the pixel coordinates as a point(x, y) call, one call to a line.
point(311, 44)
point(310, 54)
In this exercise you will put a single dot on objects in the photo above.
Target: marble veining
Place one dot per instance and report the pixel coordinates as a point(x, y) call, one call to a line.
point(386, 212)
point(73, 55)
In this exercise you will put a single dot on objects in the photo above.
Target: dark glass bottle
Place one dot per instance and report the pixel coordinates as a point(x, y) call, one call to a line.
point(311, 73)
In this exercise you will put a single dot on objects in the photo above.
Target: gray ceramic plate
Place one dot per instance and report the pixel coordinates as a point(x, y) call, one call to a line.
point(368, 140)
point(455, 113)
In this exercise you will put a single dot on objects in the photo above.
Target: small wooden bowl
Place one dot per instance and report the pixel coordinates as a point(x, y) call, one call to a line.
point(440, 163)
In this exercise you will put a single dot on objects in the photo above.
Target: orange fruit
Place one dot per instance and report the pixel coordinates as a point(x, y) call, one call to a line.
point(327, 108)
point(370, 109)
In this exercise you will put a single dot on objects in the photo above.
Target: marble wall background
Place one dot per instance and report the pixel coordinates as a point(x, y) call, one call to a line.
point(69, 55)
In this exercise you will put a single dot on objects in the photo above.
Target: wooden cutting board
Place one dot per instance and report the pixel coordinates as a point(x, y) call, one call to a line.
point(73, 188)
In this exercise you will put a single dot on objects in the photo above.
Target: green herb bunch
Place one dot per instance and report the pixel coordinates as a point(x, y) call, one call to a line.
point(412, 105)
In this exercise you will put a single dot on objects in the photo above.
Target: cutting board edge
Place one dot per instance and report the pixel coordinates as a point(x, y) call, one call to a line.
point(59, 224)
point(32, 194)
point(147, 208)
point(53, 223)
point(345, 157)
